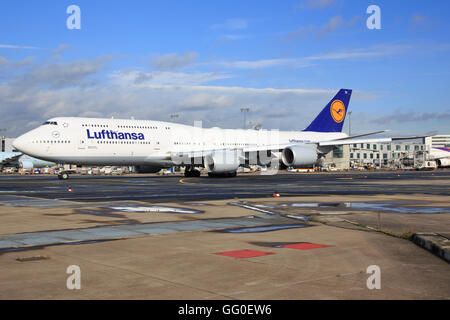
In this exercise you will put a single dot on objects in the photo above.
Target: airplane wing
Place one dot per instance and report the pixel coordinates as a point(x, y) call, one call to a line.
point(363, 135)
point(351, 140)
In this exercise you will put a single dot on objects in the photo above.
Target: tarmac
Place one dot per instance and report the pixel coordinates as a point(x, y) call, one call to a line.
point(169, 237)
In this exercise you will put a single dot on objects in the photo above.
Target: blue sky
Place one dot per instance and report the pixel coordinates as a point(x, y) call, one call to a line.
point(204, 60)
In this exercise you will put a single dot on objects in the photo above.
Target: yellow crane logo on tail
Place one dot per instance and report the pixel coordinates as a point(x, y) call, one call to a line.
point(337, 111)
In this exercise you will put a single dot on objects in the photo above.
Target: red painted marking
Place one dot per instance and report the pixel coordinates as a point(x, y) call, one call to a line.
point(304, 246)
point(244, 253)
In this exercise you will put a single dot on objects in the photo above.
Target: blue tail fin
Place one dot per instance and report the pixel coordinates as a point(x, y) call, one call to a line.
point(331, 118)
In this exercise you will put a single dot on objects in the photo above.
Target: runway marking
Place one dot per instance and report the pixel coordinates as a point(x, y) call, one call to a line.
point(304, 246)
point(246, 253)
point(246, 206)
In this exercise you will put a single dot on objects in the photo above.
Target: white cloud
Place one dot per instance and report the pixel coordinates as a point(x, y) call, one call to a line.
point(61, 48)
point(60, 75)
point(173, 61)
point(232, 24)
point(332, 25)
point(402, 116)
point(308, 61)
point(163, 78)
point(11, 46)
point(8, 64)
point(314, 4)
point(265, 63)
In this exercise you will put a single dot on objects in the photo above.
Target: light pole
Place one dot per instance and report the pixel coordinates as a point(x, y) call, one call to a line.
point(2, 140)
point(349, 123)
point(244, 111)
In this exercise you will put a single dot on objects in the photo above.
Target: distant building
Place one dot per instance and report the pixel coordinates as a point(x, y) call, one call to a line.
point(338, 158)
point(392, 155)
point(384, 154)
point(438, 141)
point(6, 144)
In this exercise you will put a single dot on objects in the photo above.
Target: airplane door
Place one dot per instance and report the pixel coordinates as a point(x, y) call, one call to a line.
point(81, 144)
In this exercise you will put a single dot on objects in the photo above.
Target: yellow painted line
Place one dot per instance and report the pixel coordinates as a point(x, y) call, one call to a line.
point(184, 182)
point(202, 184)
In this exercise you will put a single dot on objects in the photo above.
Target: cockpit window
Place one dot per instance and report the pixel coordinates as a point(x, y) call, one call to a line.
point(54, 123)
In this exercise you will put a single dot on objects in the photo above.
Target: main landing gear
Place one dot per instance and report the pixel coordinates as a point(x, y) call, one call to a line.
point(191, 173)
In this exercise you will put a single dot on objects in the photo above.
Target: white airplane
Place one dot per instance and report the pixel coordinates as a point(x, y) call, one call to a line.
point(440, 155)
point(153, 145)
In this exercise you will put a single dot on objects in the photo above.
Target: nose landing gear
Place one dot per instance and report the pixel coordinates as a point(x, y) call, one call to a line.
point(63, 176)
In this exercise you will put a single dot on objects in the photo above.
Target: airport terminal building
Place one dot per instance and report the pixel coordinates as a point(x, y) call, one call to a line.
point(378, 155)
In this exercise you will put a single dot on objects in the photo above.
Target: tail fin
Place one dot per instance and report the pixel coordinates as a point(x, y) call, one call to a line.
point(331, 118)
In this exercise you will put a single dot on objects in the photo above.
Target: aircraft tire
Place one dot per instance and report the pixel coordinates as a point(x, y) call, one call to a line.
point(63, 176)
point(192, 173)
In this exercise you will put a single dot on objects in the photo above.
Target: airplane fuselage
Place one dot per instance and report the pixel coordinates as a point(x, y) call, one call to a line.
point(96, 141)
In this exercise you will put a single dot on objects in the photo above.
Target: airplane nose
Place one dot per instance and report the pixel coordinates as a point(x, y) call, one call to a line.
point(20, 143)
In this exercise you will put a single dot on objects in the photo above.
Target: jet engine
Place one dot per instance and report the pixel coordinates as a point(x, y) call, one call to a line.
point(299, 156)
point(222, 162)
point(444, 162)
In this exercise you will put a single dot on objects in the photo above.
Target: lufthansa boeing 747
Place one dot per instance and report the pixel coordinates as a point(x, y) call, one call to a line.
point(153, 145)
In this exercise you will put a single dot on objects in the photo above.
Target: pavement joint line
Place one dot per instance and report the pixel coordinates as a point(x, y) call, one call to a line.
point(328, 277)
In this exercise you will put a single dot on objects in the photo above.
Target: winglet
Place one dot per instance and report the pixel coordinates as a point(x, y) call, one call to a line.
point(331, 118)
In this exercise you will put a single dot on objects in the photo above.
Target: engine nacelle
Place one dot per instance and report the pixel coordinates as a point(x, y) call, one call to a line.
point(299, 156)
point(26, 164)
point(222, 162)
point(445, 162)
point(146, 169)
